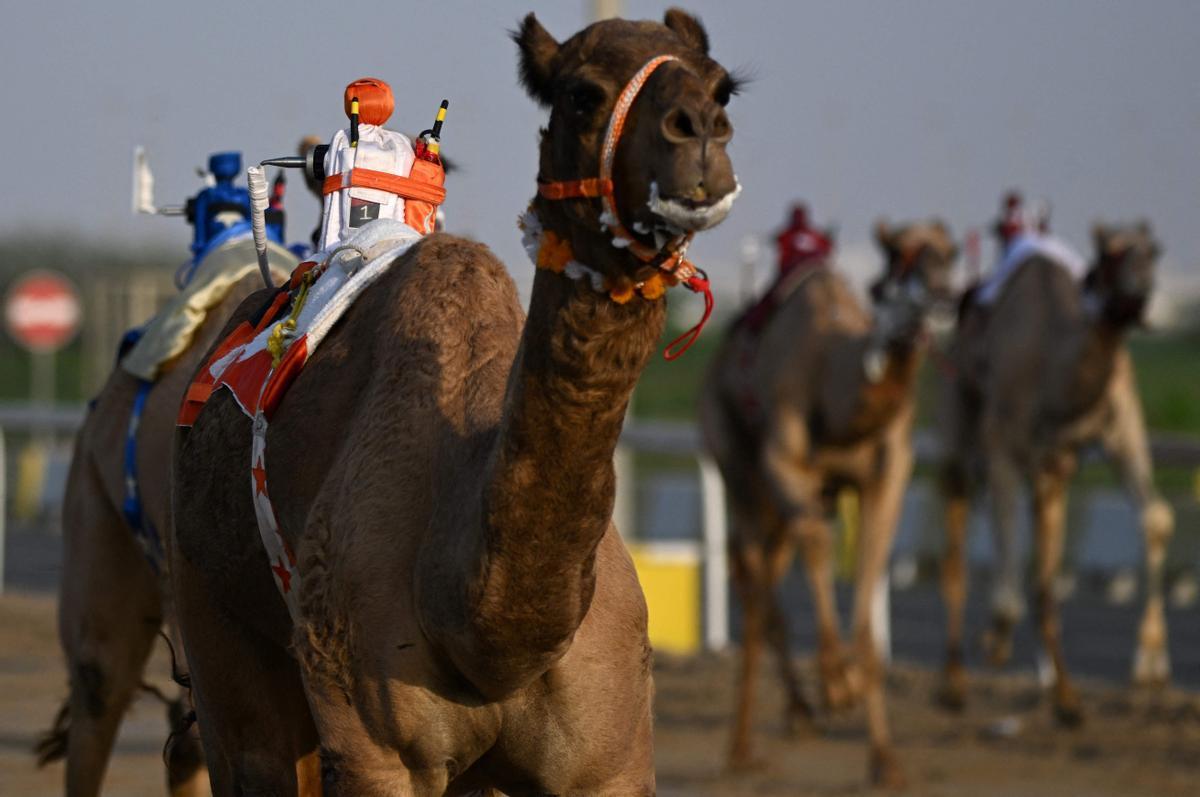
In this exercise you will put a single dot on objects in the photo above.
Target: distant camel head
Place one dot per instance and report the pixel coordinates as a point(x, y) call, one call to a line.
point(1122, 277)
point(671, 171)
point(918, 277)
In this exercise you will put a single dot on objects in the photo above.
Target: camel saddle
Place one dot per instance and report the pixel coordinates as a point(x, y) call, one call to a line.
point(755, 319)
point(262, 356)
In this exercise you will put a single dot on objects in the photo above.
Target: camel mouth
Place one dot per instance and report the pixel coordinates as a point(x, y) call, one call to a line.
point(689, 215)
point(941, 322)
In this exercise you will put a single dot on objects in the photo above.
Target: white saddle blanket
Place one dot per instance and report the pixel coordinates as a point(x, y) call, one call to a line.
point(1021, 250)
point(351, 267)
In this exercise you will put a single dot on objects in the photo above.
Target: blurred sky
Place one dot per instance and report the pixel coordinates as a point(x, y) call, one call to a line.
point(901, 109)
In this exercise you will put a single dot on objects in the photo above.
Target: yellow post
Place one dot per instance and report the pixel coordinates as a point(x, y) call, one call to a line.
point(670, 577)
point(31, 479)
point(850, 521)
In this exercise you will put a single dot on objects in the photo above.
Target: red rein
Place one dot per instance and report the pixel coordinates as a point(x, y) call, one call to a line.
point(697, 284)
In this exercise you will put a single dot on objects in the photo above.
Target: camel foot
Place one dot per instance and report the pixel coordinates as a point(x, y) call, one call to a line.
point(1068, 709)
point(952, 693)
point(1152, 666)
point(743, 760)
point(886, 771)
point(997, 641)
point(840, 687)
point(798, 720)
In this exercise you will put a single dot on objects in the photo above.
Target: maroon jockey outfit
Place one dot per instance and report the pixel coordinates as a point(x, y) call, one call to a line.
point(800, 246)
point(1018, 219)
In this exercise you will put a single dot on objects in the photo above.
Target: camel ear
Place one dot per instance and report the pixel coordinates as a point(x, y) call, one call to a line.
point(944, 229)
point(1100, 236)
point(884, 235)
point(688, 28)
point(538, 49)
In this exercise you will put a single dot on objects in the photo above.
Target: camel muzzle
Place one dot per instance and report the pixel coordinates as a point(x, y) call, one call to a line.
point(689, 215)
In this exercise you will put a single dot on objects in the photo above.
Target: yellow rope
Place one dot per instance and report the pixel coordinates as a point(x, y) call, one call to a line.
point(275, 342)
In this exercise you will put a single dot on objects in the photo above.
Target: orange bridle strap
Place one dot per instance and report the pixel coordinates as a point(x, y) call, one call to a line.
point(590, 188)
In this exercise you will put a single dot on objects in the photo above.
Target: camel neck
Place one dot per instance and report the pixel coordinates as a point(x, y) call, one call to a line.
point(877, 400)
point(1094, 360)
point(548, 496)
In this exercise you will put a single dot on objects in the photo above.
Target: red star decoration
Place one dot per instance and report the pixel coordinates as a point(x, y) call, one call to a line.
point(285, 578)
point(260, 479)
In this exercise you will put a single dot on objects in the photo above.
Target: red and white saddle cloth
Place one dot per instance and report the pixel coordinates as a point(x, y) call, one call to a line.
point(258, 361)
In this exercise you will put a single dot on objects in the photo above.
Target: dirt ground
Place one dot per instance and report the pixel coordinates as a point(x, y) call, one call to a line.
point(1005, 744)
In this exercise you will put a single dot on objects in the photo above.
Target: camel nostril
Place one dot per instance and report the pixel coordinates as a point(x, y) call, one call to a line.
point(679, 126)
point(720, 129)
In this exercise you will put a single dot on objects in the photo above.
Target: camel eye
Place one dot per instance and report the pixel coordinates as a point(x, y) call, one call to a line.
point(723, 94)
point(729, 86)
point(583, 99)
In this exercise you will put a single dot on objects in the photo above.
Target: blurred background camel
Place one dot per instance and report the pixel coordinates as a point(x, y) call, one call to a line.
point(822, 397)
point(113, 598)
point(1038, 374)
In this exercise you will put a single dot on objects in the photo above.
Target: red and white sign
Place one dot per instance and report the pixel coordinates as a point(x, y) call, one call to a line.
point(42, 311)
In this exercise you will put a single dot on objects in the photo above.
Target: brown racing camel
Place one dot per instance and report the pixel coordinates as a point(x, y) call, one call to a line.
point(822, 398)
point(111, 602)
point(1041, 373)
point(443, 468)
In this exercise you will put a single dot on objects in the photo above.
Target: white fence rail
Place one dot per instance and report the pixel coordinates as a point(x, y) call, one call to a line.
point(665, 438)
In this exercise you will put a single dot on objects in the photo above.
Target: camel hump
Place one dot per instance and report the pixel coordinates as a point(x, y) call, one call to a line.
point(826, 303)
point(449, 271)
point(460, 259)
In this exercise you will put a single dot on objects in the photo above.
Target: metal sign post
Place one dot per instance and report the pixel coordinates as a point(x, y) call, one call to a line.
point(42, 313)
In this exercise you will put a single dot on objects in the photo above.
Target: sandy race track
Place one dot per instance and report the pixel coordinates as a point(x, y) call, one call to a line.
point(1132, 744)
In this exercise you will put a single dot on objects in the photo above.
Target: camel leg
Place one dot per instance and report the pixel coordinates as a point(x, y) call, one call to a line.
point(109, 613)
point(187, 773)
point(250, 701)
point(747, 566)
point(882, 499)
point(1008, 605)
point(1050, 507)
point(960, 443)
point(797, 714)
point(1129, 449)
point(796, 490)
point(953, 691)
point(839, 681)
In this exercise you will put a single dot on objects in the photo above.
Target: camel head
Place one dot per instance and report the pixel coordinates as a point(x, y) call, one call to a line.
point(918, 277)
point(1122, 278)
point(671, 173)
